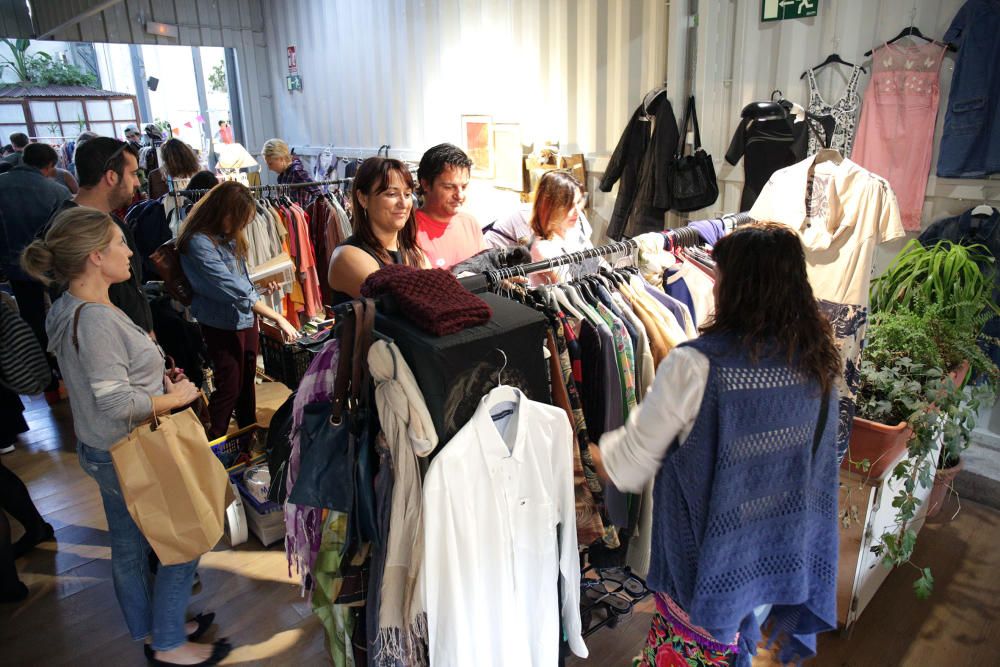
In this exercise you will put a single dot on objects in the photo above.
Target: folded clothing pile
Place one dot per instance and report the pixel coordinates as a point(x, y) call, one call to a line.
point(432, 299)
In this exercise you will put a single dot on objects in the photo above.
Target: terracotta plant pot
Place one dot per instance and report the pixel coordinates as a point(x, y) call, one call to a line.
point(878, 443)
point(958, 373)
point(942, 487)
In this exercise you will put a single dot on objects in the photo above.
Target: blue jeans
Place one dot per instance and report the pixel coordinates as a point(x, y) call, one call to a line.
point(150, 605)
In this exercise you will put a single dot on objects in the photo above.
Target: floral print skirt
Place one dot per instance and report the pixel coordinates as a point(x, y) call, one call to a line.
point(673, 641)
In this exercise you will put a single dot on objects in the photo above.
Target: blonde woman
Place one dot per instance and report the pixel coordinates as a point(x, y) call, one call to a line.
point(289, 169)
point(116, 379)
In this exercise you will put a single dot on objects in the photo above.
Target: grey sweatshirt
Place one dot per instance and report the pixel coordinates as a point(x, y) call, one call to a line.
point(113, 377)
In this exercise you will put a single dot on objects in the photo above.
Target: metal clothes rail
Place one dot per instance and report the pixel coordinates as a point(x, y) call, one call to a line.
point(683, 237)
point(272, 188)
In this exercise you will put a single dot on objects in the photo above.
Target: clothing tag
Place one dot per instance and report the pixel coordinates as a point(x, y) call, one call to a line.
point(502, 415)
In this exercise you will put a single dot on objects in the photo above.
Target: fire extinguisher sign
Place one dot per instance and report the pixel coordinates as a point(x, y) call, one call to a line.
point(293, 65)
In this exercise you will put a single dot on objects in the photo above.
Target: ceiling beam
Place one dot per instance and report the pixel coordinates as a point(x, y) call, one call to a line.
point(82, 16)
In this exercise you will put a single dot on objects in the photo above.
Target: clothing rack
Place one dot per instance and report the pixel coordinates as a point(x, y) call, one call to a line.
point(275, 188)
point(682, 237)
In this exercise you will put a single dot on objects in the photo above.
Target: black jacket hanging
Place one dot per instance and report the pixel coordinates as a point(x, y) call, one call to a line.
point(641, 161)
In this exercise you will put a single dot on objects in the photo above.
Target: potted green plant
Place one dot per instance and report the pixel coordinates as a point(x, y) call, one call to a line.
point(899, 353)
point(953, 285)
point(929, 310)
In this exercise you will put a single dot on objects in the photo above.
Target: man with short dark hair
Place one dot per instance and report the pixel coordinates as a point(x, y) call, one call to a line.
point(108, 172)
point(18, 141)
point(445, 234)
point(42, 157)
point(28, 198)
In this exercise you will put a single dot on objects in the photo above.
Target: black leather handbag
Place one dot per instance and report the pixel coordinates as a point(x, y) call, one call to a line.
point(329, 440)
point(693, 181)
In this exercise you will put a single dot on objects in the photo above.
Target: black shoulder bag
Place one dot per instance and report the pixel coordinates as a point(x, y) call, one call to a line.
point(693, 180)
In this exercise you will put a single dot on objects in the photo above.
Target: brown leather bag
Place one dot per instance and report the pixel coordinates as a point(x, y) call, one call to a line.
point(167, 261)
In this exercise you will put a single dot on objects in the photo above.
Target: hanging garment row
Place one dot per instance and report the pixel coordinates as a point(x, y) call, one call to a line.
point(289, 243)
point(605, 331)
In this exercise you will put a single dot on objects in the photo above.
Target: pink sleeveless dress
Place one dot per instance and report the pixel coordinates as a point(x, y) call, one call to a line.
point(896, 134)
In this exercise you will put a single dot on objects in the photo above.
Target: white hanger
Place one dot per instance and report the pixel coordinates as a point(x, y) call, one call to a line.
point(984, 208)
point(564, 301)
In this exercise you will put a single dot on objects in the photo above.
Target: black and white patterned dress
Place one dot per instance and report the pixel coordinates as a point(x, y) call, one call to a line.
point(844, 111)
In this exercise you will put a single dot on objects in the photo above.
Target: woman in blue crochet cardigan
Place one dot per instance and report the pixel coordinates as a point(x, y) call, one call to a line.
point(739, 429)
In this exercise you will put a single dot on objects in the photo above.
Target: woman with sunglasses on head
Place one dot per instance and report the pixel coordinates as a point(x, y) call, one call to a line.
point(213, 249)
point(115, 377)
point(385, 229)
point(739, 432)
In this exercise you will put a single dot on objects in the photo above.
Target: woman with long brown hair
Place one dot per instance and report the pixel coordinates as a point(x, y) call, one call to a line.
point(385, 230)
point(739, 431)
point(178, 163)
point(213, 249)
point(555, 225)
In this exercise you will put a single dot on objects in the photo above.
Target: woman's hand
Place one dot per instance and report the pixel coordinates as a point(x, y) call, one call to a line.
point(183, 392)
point(270, 288)
point(291, 333)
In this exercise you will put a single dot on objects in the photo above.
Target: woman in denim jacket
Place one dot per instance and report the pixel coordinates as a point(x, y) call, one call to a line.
point(213, 251)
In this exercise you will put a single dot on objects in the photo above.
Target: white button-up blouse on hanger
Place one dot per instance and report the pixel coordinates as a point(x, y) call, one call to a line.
point(500, 534)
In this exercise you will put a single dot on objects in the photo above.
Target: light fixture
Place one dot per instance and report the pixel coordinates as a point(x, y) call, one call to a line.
point(230, 158)
point(162, 29)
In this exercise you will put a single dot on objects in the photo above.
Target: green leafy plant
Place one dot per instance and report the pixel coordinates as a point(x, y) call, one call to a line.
point(904, 377)
point(41, 68)
point(945, 273)
point(217, 78)
point(21, 60)
point(49, 71)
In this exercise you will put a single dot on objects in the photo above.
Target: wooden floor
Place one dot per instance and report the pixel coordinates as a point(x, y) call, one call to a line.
point(71, 616)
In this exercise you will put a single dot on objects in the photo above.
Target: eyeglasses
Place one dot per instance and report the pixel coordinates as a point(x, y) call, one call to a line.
point(111, 158)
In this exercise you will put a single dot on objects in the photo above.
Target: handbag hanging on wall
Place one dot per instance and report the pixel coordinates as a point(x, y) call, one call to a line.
point(693, 176)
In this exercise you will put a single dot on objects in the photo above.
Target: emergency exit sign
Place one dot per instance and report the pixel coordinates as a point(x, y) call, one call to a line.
point(779, 10)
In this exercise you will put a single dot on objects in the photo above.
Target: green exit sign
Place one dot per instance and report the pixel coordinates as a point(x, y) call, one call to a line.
point(779, 10)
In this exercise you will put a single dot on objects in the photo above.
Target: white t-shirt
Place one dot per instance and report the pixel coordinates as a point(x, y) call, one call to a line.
point(515, 229)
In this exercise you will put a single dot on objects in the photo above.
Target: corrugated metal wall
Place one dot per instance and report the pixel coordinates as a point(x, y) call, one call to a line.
point(238, 24)
point(14, 19)
point(741, 60)
point(402, 72)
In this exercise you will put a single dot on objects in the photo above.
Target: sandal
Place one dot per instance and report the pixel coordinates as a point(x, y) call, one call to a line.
point(633, 585)
point(614, 601)
point(220, 649)
point(204, 622)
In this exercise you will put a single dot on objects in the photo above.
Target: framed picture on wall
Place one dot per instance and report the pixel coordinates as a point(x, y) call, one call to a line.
point(507, 155)
point(477, 133)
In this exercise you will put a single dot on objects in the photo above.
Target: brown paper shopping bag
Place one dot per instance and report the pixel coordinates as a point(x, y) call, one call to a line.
point(175, 488)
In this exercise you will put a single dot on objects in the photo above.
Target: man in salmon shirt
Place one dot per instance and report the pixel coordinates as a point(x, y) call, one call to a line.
point(446, 235)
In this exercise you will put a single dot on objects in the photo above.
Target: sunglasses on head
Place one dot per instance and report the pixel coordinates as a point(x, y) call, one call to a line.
point(111, 158)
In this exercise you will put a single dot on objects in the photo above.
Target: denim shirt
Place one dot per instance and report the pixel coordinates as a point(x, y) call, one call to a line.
point(970, 143)
point(224, 296)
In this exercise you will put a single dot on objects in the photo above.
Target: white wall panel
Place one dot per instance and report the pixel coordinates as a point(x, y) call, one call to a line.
point(402, 72)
